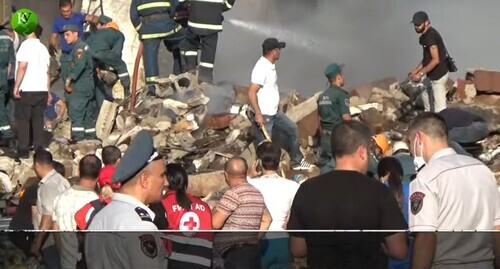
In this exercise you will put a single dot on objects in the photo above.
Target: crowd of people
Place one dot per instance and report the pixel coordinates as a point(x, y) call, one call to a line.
point(138, 208)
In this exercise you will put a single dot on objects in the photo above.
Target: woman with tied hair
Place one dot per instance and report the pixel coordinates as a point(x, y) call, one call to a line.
point(185, 212)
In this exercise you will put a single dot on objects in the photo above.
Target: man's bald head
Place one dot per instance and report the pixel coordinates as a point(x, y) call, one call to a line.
point(236, 167)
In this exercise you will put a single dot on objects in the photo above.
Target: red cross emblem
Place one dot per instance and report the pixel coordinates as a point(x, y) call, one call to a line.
point(189, 221)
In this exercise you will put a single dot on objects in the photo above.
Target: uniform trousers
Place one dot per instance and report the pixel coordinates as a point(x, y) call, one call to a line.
point(4, 115)
point(81, 111)
point(208, 45)
point(29, 110)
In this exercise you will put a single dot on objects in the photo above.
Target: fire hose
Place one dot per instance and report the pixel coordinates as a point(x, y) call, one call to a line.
point(133, 90)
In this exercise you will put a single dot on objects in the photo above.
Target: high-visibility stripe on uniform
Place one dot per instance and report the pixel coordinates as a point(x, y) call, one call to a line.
point(211, 1)
point(152, 5)
point(5, 128)
point(151, 79)
point(123, 75)
point(4, 37)
point(138, 26)
point(205, 26)
point(190, 258)
point(91, 130)
point(78, 129)
point(161, 35)
point(191, 53)
point(189, 240)
point(207, 65)
point(228, 5)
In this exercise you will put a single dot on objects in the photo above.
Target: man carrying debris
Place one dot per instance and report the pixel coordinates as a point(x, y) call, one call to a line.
point(7, 61)
point(204, 25)
point(57, 38)
point(106, 45)
point(142, 175)
point(264, 100)
point(434, 63)
point(153, 21)
point(451, 192)
point(333, 108)
point(80, 87)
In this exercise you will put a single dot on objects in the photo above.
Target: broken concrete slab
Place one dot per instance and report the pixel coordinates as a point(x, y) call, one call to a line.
point(205, 184)
point(106, 119)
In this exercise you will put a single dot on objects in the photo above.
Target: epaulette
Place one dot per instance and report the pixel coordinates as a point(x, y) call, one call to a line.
point(143, 214)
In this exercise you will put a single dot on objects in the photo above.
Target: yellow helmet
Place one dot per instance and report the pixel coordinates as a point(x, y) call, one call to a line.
point(113, 25)
point(382, 142)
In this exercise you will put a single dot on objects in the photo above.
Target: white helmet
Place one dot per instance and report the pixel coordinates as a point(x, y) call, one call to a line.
point(399, 145)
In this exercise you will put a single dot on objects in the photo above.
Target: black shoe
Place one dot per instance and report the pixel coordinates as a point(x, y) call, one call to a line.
point(5, 142)
point(23, 154)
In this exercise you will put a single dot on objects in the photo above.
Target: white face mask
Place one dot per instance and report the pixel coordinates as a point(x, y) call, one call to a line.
point(418, 161)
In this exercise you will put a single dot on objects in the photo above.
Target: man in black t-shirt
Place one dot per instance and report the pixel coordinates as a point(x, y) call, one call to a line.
point(346, 199)
point(434, 62)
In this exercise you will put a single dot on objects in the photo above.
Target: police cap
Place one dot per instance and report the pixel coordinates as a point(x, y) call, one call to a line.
point(333, 69)
point(103, 19)
point(139, 154)
point(70, 27)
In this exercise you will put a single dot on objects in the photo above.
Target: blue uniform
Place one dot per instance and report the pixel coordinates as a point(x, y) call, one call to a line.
point(77, 19)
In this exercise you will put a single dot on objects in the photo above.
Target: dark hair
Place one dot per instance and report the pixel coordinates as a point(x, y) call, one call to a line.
point(178, 182)
point(270, 155)
point(348, 136)
point(110, 155)
point(391, 166)
point(432, 124)
point(59, 167)
point(89, 166)
point(265, 52)
point(65, 3)
point(38, 31)
point(42, 157)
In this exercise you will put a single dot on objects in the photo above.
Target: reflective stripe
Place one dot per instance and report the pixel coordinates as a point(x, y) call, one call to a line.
point(149, 36)
point(152, 5)
point(207, 65)
point(78, 129)
point(227, 4)
point(92, 130)
point(123, 75)
point(189, 240)
point(138, 26)
point(190, 258)
point(151, 79)
point(4, 37)
point(205, 26)
point(211, 1)
point(191, 53)
point(5, 128)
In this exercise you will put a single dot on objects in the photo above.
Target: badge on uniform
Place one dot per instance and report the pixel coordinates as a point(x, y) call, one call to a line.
point(79, 53)
point(148, 245)
point(346, 102)
point(417, 201)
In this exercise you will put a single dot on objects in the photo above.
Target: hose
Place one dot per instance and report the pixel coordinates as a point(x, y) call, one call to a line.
point(133, 91)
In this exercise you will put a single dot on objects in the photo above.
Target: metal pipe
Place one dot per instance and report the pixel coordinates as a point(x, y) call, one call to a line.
point(133, 91)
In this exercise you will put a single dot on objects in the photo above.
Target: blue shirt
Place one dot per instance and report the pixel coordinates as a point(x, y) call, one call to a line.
point(50, 111)
point(404, 264)
point(77, 19)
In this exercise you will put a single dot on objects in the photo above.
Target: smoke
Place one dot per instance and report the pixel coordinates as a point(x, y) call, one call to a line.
point(373, 38)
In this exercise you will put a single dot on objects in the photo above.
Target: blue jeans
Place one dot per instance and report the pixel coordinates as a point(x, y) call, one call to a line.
point(50, 257)
point(275, 254)
point(283, 129)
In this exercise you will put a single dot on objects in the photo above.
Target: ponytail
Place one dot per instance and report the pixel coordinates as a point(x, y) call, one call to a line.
point(392, 167)
point(178, 182)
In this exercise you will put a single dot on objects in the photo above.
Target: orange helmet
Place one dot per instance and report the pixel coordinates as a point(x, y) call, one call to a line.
point(113, 25)
point(382, 142)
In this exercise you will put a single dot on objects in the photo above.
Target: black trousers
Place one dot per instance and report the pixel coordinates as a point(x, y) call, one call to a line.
point(29, 113)
point(208, 45)
point(23, 241)
point(245, 256)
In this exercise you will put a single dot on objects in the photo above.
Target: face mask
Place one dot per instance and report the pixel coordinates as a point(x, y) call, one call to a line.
point(418, 161)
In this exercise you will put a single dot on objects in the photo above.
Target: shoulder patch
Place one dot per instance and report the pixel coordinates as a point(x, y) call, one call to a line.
point(417, 202)
point(148, 245)
point(346, 102)
point(79, 53)
point(143, 214)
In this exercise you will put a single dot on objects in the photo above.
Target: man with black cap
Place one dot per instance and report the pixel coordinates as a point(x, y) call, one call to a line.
point(80, 86)
point(333, 108)
point(434, 63)
point(264, 100)
point(141, 173)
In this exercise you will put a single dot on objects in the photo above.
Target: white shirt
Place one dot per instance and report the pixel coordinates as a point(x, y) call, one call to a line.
point(37, 56)
point(278, 195)
point(456, 192)
point(268, 97)
point(68, 203)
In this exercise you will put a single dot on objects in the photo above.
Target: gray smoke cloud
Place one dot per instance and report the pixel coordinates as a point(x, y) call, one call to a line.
point(373, 38)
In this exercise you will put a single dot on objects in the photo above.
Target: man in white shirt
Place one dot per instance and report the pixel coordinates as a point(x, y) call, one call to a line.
point(278, 195)
point(31, 91)
point(450, 192)
point(264, 100)
point(68, 203)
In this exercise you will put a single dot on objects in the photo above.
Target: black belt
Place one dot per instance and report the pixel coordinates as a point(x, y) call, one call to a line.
point(155, 17)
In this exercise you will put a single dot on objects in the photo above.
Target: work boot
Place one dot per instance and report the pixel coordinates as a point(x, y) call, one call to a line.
point(152, 90)
point(5, 142)
point(126, 91)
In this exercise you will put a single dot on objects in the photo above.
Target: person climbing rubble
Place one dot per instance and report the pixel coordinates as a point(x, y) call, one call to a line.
point(264, 99)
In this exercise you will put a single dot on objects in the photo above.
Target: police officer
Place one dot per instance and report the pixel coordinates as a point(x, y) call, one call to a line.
point(204, 25)
point(153, 20)
point(7, 59)
point(80, 87)
point(142, 175)
point(333, 108)
point(106, 45)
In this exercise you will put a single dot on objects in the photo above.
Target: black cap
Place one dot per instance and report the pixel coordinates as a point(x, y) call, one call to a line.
point(419, 18)
point(139, 154)
point(272, 43)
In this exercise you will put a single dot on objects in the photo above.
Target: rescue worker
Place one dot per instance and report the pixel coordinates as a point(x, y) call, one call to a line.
point(106, 45)
point(7, 59)
point(333, 108)
point(401, 152)
point(204, 25)
point(141, 173)
point(80, 87)
point(153, 21)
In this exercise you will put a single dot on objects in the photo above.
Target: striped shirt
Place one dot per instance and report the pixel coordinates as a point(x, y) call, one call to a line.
point(244, 204)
